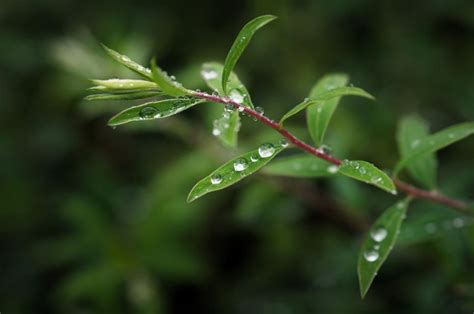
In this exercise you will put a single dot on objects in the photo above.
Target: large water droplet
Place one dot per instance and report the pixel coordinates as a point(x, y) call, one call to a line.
point(236, 96)
point(333, 169)
point(209, 74)
point(149, 113)
point(371, 256)
point(379, 234)
point(216, 178)
point(240, 164)
point(266, 150)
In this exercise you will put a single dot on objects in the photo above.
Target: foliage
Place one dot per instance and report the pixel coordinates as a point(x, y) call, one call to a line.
point(416, 145)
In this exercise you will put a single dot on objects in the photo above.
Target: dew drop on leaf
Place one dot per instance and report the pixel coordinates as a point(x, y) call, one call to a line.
point(379, 234)
point(333, 169)
point(149, 113)
point(259, 110)
point(371, 256)
point(240, 164)
point(254, 158)
point(209, 74)
point(284, 142)
point(216, 179)
point(266, 150)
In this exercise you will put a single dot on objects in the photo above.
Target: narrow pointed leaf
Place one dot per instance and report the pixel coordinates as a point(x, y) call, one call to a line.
point(154, 110)
point(378, 244)
point(300, 166)
point(324, 97)
point(436, 142)
point(166, 84)
point(318, 116)
point(226, 175)
point(123, 85)
point(124, 96)
point(423, 168)
point(368, 173)
point(211, 72)
point(239, 45)
point(126, 61)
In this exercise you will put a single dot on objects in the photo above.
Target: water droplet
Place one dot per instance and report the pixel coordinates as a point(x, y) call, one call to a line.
point(379, 234)
point(306, 99)
point(226, 115)
point(240, 164)
point(254, 158)
point(266, 150)
point(236, 96)
point(371, 256)
point(216, 131)
point(362, 170)
point(216, 178)
point(259, 110)
point(173, 78)
point(284, 142)
point(376, 247)
point(241, 108)
point(149, 113)
point(209, 74)
point(376, 180)
point(333, 169)
point(229, 108)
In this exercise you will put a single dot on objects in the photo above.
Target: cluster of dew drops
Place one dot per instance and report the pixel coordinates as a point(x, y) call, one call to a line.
point(152, 112)
point(265, 150)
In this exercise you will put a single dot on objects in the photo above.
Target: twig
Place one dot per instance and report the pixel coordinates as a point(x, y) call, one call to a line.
point(403, 186)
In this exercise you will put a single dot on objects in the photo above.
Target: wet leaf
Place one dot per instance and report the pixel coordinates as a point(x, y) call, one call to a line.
point(154, 110)
point(319, 115)
point(436, 142)
point(235, 170)
point(368, 173)
point(239, 45)
point(127, 62)
point(411, 130)
point(124, 96)
point(123, 85)
point(324, 97)
point(379, 243)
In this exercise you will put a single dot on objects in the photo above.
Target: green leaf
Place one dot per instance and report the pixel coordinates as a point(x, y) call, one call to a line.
point(154, 110)
point(411, 130)
point(436, 142)
point(368, 173)
point(378, 244)
point(226, 128)
point(227, 174)
point(124, 96)
point(301, 166)
point(239, 45)
point(166, 84)
point(211, 72)
point(126, 61)
point(123, 85)
point(319, 115)
point(324, 97)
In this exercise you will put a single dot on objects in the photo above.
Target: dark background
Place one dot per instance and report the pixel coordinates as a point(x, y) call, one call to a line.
point(94, 220)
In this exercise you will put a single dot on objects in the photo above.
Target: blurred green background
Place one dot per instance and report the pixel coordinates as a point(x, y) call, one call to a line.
point(95, 220)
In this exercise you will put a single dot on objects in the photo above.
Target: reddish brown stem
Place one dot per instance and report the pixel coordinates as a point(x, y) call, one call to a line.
point(403, 186)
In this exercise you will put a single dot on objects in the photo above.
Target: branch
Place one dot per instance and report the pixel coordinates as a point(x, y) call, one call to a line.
point(403, 186)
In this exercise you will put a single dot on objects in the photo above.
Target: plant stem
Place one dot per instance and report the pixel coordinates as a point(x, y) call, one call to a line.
point(433, 196)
